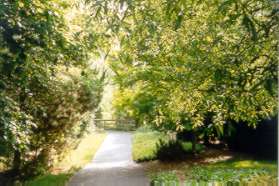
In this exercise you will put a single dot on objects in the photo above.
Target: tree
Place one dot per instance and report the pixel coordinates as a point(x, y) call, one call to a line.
point(47, 86)
point(218, 57)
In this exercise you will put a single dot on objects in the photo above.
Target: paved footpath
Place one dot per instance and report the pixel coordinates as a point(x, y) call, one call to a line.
point(112, 165)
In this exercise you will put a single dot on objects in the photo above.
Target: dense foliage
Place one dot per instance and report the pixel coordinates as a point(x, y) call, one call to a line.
point(179, 65)
point(189, 64)
point(48, 89)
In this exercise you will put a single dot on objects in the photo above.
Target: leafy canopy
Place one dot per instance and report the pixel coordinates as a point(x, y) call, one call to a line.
point(184, 60)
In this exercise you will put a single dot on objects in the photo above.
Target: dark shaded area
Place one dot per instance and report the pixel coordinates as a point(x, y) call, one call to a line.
point(7, 178)
point(170, 151)
point(185, 135)
point(260, 142)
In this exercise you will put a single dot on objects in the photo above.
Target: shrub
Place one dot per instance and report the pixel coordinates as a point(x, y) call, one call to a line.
point(187, 146)
point(170, 150)
point(49, 121)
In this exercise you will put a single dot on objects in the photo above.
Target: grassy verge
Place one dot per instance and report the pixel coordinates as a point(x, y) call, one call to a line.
point(50, 180)
point(144, 145)
point(75, 160)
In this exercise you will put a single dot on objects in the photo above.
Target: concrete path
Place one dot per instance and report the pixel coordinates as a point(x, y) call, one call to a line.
point(112, 165)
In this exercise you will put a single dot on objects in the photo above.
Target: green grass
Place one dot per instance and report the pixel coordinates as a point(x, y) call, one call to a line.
point(144, 145)
point(230, 171)
point(75, 160)
point(83, 153)
point(49, 180)
point(187, 146)
point(233, 170)
point(168, 178)
point(221, 173)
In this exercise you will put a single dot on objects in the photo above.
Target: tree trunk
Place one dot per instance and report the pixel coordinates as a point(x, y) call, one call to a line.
point(194, 142)
point(206, 140)
point(16, 162)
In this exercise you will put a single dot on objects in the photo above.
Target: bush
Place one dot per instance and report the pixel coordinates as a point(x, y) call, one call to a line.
point(50, 120)
point(187, 146)
point(260, 142)
point(170, 150)
point(47, 88)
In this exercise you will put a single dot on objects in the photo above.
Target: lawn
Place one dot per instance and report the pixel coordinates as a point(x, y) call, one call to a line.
point(144, 145)
point(234, 170)
point(75, 160)
point(210, 165)
point(229, 171)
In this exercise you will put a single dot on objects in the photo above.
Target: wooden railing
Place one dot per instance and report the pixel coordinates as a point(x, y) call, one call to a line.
point(118, 124)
